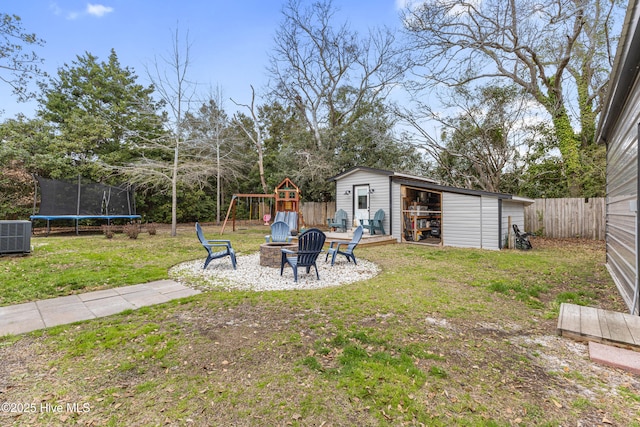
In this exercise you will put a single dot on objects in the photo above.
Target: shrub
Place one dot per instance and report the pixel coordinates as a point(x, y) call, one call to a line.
point(107, 231)
point(131, 230)
point(151, 229)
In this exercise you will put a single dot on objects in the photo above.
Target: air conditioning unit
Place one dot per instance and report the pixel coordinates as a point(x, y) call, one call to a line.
point(15, 237)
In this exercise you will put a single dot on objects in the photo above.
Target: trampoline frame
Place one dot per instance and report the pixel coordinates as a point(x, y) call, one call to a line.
point(78, 218)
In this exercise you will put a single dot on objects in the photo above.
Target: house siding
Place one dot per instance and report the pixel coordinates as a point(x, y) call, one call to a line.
point(618, 128)
point(622, 196)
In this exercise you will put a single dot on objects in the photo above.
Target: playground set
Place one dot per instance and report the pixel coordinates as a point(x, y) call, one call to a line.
point(287, 206)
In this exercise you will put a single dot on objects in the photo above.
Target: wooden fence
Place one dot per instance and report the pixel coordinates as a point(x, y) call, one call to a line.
point(570, 217)
point(316, 213)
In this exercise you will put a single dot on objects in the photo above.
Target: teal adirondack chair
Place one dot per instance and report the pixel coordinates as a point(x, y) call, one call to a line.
point(339, 221)
point(374, 224)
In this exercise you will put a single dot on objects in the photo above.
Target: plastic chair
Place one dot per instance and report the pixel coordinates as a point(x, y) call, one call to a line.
point(348, 251)
point(375, 223)
point(339, 221)
point(210, 244)
point(280, 232)
point(522, 239)
point(310, 245)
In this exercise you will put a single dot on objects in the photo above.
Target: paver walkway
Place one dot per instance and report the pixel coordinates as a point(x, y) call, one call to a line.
point(30, 316)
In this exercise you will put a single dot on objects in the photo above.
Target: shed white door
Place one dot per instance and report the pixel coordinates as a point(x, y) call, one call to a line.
point(361, 202)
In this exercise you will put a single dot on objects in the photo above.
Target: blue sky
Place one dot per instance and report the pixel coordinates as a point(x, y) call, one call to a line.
point(231, 40)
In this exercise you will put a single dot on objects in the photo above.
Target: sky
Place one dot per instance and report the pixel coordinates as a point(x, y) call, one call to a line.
point(230, 40)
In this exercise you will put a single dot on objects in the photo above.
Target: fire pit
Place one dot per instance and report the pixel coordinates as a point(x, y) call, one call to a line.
point(270, 254)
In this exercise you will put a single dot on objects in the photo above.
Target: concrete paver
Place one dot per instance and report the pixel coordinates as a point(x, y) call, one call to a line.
point(31, 316)
point(616, 357)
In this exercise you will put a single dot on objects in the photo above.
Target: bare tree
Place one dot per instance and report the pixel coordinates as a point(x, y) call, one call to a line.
point(326, 72)
point(172, 158)
point(480, 142)
point(558, 51)
point(255, 134)
point(210, 126)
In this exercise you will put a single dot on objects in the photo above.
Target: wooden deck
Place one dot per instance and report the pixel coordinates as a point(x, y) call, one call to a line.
point(367, 239)
point(594, 324)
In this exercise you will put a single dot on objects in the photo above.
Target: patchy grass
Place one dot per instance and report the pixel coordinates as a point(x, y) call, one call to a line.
point(68, 264)
point(441, 337)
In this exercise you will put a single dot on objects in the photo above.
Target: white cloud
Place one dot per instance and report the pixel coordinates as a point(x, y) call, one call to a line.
point(53, 6)
point(98, 9)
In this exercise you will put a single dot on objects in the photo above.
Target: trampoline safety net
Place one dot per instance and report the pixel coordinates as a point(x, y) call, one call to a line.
point(59, 197)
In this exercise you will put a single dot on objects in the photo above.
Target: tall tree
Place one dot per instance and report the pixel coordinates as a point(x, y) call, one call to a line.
point(481, 141)
point(558, 51)
point(28, 146)
point(17, 66)
point(172, 160)
point(210, 129)
point(99, 110)
point(314, 60)
point(253, 129)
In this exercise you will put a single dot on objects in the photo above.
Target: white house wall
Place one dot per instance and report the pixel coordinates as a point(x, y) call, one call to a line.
point(379, 199)
point(461, 220)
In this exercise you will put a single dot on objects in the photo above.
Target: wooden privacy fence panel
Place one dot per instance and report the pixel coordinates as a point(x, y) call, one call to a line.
point(316, 213)
point(570, 217)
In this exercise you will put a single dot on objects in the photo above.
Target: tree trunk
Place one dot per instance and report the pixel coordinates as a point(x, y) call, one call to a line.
point(174, 194)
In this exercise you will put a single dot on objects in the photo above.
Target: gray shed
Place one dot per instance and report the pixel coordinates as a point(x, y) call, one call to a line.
point(618, 129)
point(420, 210)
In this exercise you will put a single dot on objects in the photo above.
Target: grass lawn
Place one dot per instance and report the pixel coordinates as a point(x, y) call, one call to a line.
point(441, 337)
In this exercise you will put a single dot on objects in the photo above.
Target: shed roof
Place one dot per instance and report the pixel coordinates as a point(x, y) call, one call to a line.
point(379, 172)
point(429, 184)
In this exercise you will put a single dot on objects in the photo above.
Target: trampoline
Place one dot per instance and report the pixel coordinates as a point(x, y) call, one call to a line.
point(78, 200)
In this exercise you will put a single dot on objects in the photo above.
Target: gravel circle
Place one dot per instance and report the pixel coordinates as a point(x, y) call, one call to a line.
point(250, 275)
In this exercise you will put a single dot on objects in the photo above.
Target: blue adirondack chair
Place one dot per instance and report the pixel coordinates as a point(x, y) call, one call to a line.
point(280, 232)
point(209, 245)
point(374, 224)
point(348, 250)
point(339, 221)
point(310, 245)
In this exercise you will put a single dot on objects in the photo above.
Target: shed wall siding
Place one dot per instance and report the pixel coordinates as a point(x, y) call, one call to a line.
point(396, 208)
point(378, 200)
point(622, 196)
point(461, 220)
point(514, 210)
point(490, 223)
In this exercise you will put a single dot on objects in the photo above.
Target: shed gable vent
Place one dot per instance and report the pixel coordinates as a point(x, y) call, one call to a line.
point(15, 237)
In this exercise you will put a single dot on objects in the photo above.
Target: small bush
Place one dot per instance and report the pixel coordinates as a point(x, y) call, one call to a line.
point(107, 231)
point(151, 229)
point(131, 230)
